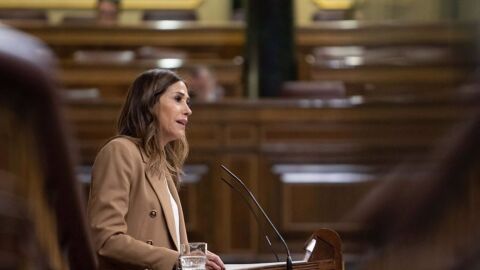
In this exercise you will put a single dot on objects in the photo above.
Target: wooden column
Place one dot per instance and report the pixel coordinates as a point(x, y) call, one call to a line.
point(270, 57)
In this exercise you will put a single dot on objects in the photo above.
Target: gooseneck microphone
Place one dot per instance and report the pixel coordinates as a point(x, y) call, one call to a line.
point(255, 215)
point(289, 258)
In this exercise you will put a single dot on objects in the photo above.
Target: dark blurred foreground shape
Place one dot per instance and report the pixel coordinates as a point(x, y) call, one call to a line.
point(428, 220)
point(42, 221)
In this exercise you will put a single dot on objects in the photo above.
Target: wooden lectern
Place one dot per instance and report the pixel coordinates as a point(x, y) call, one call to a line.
point(325, 255)
point(328, 248)
point(317, 265)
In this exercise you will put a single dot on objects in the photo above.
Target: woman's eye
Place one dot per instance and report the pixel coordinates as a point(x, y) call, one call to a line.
point(178, 98)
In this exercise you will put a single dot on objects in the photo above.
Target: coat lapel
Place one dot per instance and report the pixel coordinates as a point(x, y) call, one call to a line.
point(160, 188)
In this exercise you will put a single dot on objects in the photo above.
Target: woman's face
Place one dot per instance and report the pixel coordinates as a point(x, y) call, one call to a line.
point(172, 112)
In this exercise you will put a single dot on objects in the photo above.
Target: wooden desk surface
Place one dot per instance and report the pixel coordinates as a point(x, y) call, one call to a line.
point(351, 33)
point(188, 34)
point(225, 40)
point(167, 33)
point(113, 79)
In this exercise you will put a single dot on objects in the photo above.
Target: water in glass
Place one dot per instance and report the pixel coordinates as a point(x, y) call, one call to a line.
point(193, 262)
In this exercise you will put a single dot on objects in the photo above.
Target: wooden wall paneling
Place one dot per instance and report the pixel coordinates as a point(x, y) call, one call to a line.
point(366, 132)
point(238, 135)
point(207, 136)
point(243, 230)
point(306, 207)
point(363, 139)
point(92, 124)
point(254, 138)
point(212, 215)
point(269, 197)
point(220, 196)
point(302, 200)
point(195, 194)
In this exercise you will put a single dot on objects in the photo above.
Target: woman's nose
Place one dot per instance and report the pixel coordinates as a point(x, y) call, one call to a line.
point(188, 111)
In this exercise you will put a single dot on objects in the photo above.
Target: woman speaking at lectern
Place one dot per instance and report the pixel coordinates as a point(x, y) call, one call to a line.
point(134, 209)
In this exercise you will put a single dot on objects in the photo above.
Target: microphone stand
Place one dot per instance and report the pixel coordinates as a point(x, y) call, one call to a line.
point(289, 263)
point(255, 215)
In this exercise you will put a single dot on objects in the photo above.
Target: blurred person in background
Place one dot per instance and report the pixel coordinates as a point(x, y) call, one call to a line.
point(203, 85)
point(108, 10)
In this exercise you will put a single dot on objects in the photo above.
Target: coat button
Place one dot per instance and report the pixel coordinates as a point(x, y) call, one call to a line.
point(150, 242)
point(153, 213)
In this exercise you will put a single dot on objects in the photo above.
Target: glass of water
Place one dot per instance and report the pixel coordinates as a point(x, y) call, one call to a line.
point(193, 256)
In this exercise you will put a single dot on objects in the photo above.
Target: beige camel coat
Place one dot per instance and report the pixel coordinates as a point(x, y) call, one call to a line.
point(129, 210)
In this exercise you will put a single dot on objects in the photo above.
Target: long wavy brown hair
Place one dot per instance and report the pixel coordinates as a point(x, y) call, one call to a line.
point(138, 120)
